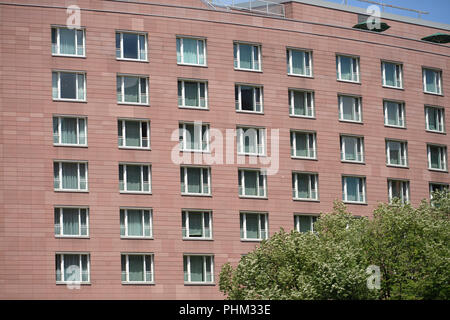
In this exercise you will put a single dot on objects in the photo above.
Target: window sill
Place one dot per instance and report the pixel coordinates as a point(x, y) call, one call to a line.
point(68, 55)
point(391, 87)
point(194, 108)
point(303, 158)
point(133, 104)
point(132, 60)
point(353, 162)
point(351, 121)
point(73, 283)
point(434, 94)
point(306, 117)
point(349, 81)
point(252, 240)
point(192, 65)
point(197, 239)
point(77, 191)
point(196, 151)
point(354, 202)
point(136, 192)
point(397, 166)
point(199, 284)
point(307, 200)
point(250, 112)
point(68, 100)
point(251, 155)
point(438, 170)
point(135, 238)
point(135, 148)
point(139, 283)
point(71, 237)
point(253, 197)
point(248, 70)
point(438, 132)
point(395, 127)
point(300, 75)
point(70, 145)
point(196, 195)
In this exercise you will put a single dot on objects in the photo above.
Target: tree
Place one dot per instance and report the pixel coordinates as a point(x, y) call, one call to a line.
point(410, 246)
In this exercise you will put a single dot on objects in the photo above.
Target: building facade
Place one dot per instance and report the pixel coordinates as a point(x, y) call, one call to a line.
point(145, 144)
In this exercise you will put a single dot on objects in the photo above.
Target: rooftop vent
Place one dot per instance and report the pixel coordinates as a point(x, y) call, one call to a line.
point(438, 38)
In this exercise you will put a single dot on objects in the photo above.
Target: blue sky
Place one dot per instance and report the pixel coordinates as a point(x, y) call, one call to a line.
point(439, 10)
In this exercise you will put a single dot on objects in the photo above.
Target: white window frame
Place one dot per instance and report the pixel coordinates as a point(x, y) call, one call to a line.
point(57, 45)
point(138, 45)
point(359, 152)
point(61, 267)
point(311, 135)
point(188, 266)
point(260, 135)
point(127, 267)
point(400, 113)
point(186, 213)
point(243, 216)
point(305, 60)
point(309, 95)
point(403, 150)
point(202, 186)
point(141, 165)
point(59, 163)
point(313, 188)
point(141, 138)
point(182, 99)
point(398, 74)
point(438, 84)
point(125, 218)
point(59, 134)
point(404, 189)
point(442, 154)
point(312, 218)
point(203, 137)
point(357, 108)
point(77, 99)
point(121, 77)
point(261, 174)
point(238, 102)
point(361, 180)
point(440, 116)
point(355, 76)
point(237, 61)
point(181, 53)
point(60, 224)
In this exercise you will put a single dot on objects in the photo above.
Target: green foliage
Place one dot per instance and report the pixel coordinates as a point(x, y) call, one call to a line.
point(410, 245)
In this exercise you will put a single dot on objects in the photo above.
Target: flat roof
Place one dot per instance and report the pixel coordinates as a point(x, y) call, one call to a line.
point(385, 15)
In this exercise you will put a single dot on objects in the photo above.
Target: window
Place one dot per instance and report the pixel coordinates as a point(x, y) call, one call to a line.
point(347, 68)
point(198, 269)
point(254, 226)
point(301, 103)
point(248, 98)
point(432, 81)
point(135, 178)
point(70, 176)
point(304, 223)
point(305, 186)
point(196, 224)
point(299, 62)
point(131, 46)
point(303, 145)
point(350, 108)
point(247, 56)
point(191, 51)
point(437, 157)
point(396, 153)
point(392, 74)
point(437, 187)
point(134, 134)
point(72, 267)
point(68, 42)
point(194, 137)
point(70, 86)
point(398, 189)
point(195, 181)
point(353, 189)
point(135, 223)
point(71, 222)
point(71, 131)
point(137, 268)
point(394, 114)
point(352, 148)
point(251, 141)
point(252, 183)
point(192, 94)
point(132, 89)
point(435, 119)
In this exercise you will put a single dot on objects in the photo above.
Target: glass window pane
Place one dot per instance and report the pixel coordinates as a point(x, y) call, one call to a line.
point(72, 267)
point(134, 221)
point(252, 226)
point(136, 267)
point(352, 188)
point(247, 98)
point(194, 182)
point(431, 80)
point(67, 41)
point(245, 56)
point(299, 103)
point(389, 72)
point(130, 46)
point(132, 133)
point(305, 223)
point(346, 68)
point(392, 109)
point(191, 94)
point(348, 108)
point(69, 130)
point(69, 175)
point(197, 268)
point(68, 85)
point(250, 181)
point(133, 178)
point(301, 144)
point(195, 225)
point(70, 221)
point(190, 51)
point(298, 66)
point(131, 88)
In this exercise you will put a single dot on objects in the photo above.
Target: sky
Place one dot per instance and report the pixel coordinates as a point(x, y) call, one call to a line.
point(439, 10)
